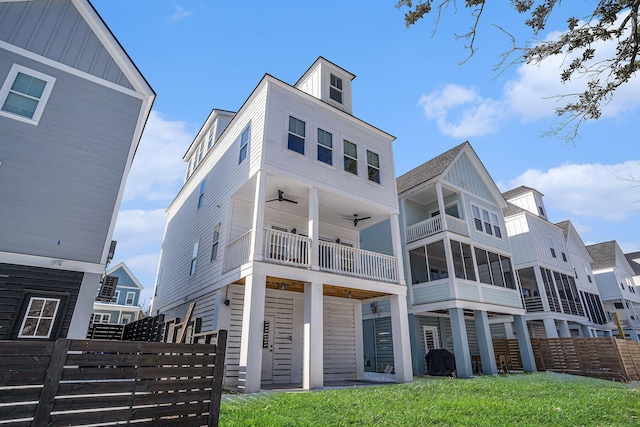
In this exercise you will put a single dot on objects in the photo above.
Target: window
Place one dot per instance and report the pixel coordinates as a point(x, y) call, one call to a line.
point(25, 93)
point(427, 263)
point(201, 196)
point(562, 251)
point(373, 167)
point(494, 269)
point(350, 157)
point(335, 89)
point(244, 144)
point(553, 250)
point(214, 245)
point(586, 272)
point(130, 298)
point(462, 260)
point(210, 142)
point(486, 221)
point(39, 318)
point(541, 210)
point(200, 154)
point(192, 267)
point(116, 297)
point(126, 318)
point(325, 147)
point(297, 133)
point(100, 318)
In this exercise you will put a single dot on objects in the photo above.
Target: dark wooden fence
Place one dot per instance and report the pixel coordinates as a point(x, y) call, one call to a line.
point(606, 358)
point(146, 329)
point(93, 382)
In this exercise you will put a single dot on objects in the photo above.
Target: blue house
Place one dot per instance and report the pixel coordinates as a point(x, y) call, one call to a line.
point(124, 305)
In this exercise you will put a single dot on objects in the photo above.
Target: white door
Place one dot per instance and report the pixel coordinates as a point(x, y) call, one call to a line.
point(267, 348)
point(430, 335)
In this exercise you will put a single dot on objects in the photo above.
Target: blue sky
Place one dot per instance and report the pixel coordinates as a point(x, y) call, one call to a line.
point(199, 55)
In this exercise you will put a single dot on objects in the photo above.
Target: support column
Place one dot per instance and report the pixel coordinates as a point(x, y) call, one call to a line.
point(255, 251)
point(443, 216)
point(250, 374)
point(415, 332)
point(313, 228)
point(313, 352)
point(401, 340)
point(460, 343)
point(487, 355)
point(586, 331)
point(508, 331)
point(397, 245)
point(607, 333)
point(544, 298)
point(563, 325)
point(550, 328)
point(524, 344)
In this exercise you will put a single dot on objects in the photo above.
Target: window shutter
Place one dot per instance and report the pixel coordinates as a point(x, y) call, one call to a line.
point(107, 288)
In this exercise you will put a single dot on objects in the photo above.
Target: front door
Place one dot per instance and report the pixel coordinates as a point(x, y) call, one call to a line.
point(431, 340)
point(267, 348)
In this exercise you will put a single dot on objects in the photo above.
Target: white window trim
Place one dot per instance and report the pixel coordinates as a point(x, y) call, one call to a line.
point(333, 148)
point(128, 316)
point(194, 258)
point(244, 146)
point(341, 91)
point(42, 102)
point(305, 138)
point(492, 232)
point(379, 167)
point(133, 298)
point(116, 296)
point(343, 155)
point(26, 315)
point(215, 244)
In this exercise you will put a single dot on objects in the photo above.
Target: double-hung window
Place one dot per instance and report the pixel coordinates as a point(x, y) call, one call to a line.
point(335, 89)
point(373, 166)
point(350, 157)
point(297, 134)
point(244, 145)
point(39, 318)
point(201, 196)
point(214, 245)
point(325, 147)
point(563, 253)
point(194, 257)
point(130, 298)
point(551, 247)
point(24, 94)
point(486, 221)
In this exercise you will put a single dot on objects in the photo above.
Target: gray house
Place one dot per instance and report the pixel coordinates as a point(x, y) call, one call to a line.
point(72, 109)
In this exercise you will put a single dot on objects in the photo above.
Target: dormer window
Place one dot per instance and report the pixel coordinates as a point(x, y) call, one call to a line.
point(541, 210)
point(335, 89)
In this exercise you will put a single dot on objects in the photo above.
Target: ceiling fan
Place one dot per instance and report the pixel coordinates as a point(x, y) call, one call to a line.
point(281, 198)
point(356, 220)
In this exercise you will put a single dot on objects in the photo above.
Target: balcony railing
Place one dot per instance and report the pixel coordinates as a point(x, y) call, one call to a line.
point(237, 252)
point(533, 304)
point(340, 259)
point(433, 226)
point(286, 248)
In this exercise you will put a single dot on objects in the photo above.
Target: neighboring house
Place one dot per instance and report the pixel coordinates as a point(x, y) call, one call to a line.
point(634, 262)
point(461, 283)
point(264, 235)
point(72, 109)
point(124, 306)
point(615, 278)
point(553, 265)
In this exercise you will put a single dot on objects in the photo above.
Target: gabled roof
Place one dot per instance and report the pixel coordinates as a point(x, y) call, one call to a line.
point(603, 254)
point(326, 61)
point(512, 209)
point(520, 191)
point(123, 266)
point(428, 170)
point(634, 261)
point(569, 230)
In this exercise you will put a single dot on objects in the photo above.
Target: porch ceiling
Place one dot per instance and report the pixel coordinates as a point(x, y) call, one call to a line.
point(280, 283)
point(333, 208)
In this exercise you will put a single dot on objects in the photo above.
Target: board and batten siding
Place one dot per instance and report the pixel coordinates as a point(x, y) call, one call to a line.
point(306, 169)
point(502, 245)
point(464, 174)
point(377, 238)
point(56, 30)
point(188, 224)
point(83, 141)
point(339, 339)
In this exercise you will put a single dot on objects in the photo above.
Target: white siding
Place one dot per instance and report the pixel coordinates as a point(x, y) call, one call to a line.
point(464, 174)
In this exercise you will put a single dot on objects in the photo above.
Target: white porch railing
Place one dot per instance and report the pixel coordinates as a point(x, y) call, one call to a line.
point(433, 225)
point(237, 252)
point(339, 259)
point(286, 248)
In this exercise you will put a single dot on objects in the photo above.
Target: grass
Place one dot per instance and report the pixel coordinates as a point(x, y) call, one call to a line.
point(539, 399)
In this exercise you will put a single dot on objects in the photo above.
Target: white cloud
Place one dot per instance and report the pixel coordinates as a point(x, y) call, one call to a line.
point(158, 171)
point(473, 115)
point(137, 227)
point(179, 13)
point(590, 190)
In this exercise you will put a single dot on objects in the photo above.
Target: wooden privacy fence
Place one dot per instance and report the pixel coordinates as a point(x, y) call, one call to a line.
point(145, 329)
point(92, 382)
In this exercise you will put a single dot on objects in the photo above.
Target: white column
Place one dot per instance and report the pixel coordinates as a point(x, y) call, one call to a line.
point(586, 331)
point(550, 328)
point(313, 353)
point(84, 306)
point(397, 245)
point(443, 216)
point(401, 339)
point(487, 355)
point(563, 325)
point(460, 343)
point(541, 290)
point(252, 329)
point(313, 228)
point(524, 344)
point(255, 252)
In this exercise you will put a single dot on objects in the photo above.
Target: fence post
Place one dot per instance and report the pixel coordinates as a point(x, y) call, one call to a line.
point(216, 382)
point(51, 382)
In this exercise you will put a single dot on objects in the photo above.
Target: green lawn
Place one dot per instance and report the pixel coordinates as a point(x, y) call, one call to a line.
point(540, 399)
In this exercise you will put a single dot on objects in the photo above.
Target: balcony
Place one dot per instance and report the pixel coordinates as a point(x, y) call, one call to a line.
point(532, 304)
point(294, 250)
point(433, 225)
